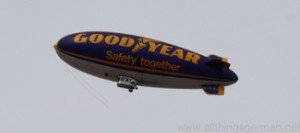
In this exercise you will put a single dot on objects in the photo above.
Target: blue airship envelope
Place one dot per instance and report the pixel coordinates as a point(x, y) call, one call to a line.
point(133, 61)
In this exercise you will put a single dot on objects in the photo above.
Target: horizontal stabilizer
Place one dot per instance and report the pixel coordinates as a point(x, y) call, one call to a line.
point(214, 90)
point(218, 62)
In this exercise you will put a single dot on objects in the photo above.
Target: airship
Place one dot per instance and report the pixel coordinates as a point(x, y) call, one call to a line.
point(133, 61)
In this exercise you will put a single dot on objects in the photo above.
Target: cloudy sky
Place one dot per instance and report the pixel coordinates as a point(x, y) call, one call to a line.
point(39, 93)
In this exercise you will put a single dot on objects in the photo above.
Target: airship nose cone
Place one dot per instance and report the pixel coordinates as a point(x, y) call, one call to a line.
point(55, 46)
point(64, 44)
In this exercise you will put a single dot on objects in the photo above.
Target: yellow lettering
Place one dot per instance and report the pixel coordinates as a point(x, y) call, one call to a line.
point(96, 38)
point(126, 42)
point(80, 38)
point(112, 39)
point(192, 57)
point(153, 64)
point(178, 53)
point(109, 55)
point(165, 49)
point(153, 46)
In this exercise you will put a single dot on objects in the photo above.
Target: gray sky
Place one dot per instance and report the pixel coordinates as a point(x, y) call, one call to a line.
point(41, 94)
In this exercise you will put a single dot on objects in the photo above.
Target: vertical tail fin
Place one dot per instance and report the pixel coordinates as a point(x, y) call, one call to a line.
point(218, 62)
point(214, 90)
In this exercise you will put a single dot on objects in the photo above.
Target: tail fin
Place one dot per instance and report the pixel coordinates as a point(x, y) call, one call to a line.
point(218, 62)
point(214, 90)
